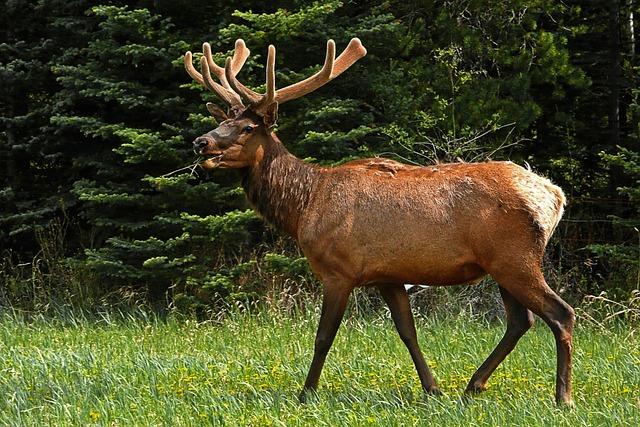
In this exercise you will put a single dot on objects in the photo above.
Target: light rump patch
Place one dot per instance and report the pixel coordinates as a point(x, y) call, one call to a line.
point(544, 201)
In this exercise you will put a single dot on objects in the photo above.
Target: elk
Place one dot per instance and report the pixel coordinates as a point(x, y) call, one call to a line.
point(378, 222)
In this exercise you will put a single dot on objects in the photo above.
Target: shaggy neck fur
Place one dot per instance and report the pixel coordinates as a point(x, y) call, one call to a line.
point(279, 186)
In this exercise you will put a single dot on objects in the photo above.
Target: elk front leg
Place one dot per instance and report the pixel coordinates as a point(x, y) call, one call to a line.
point(334, 302)
point(397, 299)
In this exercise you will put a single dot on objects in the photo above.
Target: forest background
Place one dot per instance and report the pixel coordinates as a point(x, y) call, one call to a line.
point(96, 111)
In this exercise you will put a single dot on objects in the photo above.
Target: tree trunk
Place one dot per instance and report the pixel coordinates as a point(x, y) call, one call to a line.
point(615, 72)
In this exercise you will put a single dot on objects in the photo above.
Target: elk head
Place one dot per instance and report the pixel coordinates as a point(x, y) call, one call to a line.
point(245, 131)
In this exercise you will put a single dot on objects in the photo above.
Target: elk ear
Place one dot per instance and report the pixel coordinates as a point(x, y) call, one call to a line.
point(217, 112)
point(270, 115)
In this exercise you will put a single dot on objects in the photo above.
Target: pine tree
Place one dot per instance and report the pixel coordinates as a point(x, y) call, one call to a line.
point(97, 110)
point(36, 160)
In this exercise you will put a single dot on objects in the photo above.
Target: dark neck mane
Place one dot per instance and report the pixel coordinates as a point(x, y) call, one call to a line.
point(279, 187)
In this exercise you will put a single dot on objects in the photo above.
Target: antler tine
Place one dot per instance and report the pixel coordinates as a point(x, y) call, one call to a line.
point(244, 91)
point(229, 96)
point(240, 55)
point(269, 95)
point(312, 83)
point(217, 70)
point(224, 91)
point(354, 51)
point(188, 65)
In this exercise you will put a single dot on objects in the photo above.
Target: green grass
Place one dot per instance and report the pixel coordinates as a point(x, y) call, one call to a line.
point(248, 370)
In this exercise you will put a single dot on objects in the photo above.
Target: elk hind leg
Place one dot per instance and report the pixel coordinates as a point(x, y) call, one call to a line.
point(398, 301)
point(519, 320)
point(532, 291)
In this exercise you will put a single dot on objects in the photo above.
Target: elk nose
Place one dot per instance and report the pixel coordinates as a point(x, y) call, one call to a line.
point(200, 142)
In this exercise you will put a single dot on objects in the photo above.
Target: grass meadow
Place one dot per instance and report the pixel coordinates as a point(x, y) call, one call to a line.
point(248, 369)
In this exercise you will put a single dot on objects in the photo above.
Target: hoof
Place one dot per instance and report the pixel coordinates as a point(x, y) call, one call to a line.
point(475, 389)
point(565, 403)
point(305, 395)
point(434, 391)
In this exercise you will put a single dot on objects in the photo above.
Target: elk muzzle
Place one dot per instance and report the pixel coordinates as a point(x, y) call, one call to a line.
point(201, 143)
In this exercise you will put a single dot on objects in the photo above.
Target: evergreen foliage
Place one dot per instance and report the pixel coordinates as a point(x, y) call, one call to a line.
point(96, 111)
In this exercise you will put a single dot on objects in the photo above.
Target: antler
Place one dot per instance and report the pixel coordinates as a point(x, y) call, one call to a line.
point(231, 89)
point(223, 90)
point(331, 69)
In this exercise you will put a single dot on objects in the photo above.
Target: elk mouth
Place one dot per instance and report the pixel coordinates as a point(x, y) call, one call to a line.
point(210, 153)
point(210, 162)
point(213, 160)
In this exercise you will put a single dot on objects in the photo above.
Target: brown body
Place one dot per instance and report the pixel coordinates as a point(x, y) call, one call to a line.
point(383, 223)
point(438, 225)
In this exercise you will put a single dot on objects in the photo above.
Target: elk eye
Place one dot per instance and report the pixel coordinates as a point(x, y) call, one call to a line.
point(247, 129)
